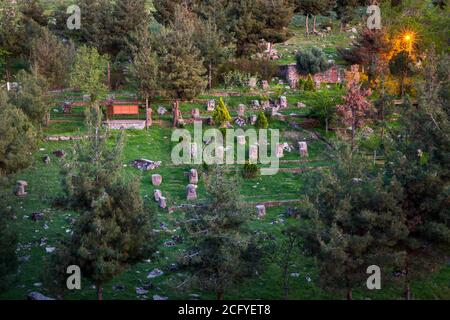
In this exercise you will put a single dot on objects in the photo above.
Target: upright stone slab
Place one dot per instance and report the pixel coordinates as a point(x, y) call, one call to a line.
point(20, 189)
point(261, 211)
point(283, 102)
point(191, 192)
point(280, 150)
point(303, 147)
point(162, 202)
point(211, 106)
point(193, 176)
point(195, 113)
point(253, 153)
point(252, 83)
point(157, 194)
point(241, 110)
point(156, 179)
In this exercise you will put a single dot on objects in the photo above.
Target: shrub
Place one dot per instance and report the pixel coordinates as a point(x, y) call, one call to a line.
point(236, 79)
point(250, 170)
point(221, 114)
point(261, 121)
point(312, 61)
point(309, 84)
point(256, 67)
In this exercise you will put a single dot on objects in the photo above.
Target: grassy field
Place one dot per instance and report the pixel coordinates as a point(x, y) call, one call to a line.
point(155, 144)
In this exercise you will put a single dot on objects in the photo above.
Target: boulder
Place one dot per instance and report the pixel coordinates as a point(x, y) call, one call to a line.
point(162, 202)
point(211, 105)
point(157, 194)
point(303, 148)
point(261, 210)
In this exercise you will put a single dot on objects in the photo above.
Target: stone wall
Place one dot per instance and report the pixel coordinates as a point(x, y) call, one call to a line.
point(332, 75)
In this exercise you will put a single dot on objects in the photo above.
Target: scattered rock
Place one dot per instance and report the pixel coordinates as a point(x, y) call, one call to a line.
point(154, 274)
point(160, 298)
point(36, 296)
point(146, 165)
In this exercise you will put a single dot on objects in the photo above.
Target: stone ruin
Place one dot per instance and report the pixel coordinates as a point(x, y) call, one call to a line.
point(161, 111)
point(162, 202)
point(195, 113)
point(20, 189)
point(283, 102)
point(280, 150)
point(265, 85)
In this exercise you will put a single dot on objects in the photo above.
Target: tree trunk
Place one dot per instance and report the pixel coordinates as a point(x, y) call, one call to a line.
point(109, 76)
point(176, 111)
point(349, 294)
point(99, 292)
point(146, 113)
point(315, 19)
point(219, 294)
point(210, 75)
point(326, 125)
point(402, 87)
point(307, 24)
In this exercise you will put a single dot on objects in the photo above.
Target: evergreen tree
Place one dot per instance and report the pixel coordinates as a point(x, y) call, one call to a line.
point(181, 63)
point(261, 121)
point(370, 50)
point(212, 45)
point(345, 10)
point(145, 69)
point(8, 246)
point(51, 58)
point(220, 247)
point(89, 73)
point(401, 67)
point(113, 231)
point(221, 114)
point(313, 8)
point(32, 98)
point(353, 220)
point(419, 160)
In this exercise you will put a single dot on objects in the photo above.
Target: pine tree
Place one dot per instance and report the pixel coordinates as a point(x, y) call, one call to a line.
point(31, 97)
point(89, 73)
point(145, 70)
point(52, 59)
point(419, 160)
point(353, 220)
point(401, 67)
point(261, 121)
point(345, 10)
point(181, 63)
point(113, 231)
point(220, 247)
point(8, 257)
point(221, 114)
point(370, 50)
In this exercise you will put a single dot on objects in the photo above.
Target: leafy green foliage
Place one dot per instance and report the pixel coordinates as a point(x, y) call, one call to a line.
point(221, 115)
point(89, 73)
point(219, 249)
point(18, 138)
point(312, 61)
point(261, 121)
point(250, 170)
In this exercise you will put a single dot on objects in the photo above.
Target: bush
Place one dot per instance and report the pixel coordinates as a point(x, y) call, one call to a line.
point(221, 114)
point(312, 61)
point(262, 122)
point(256, 67)
point(250, 170)
point(236, 79)
point(309, 84)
